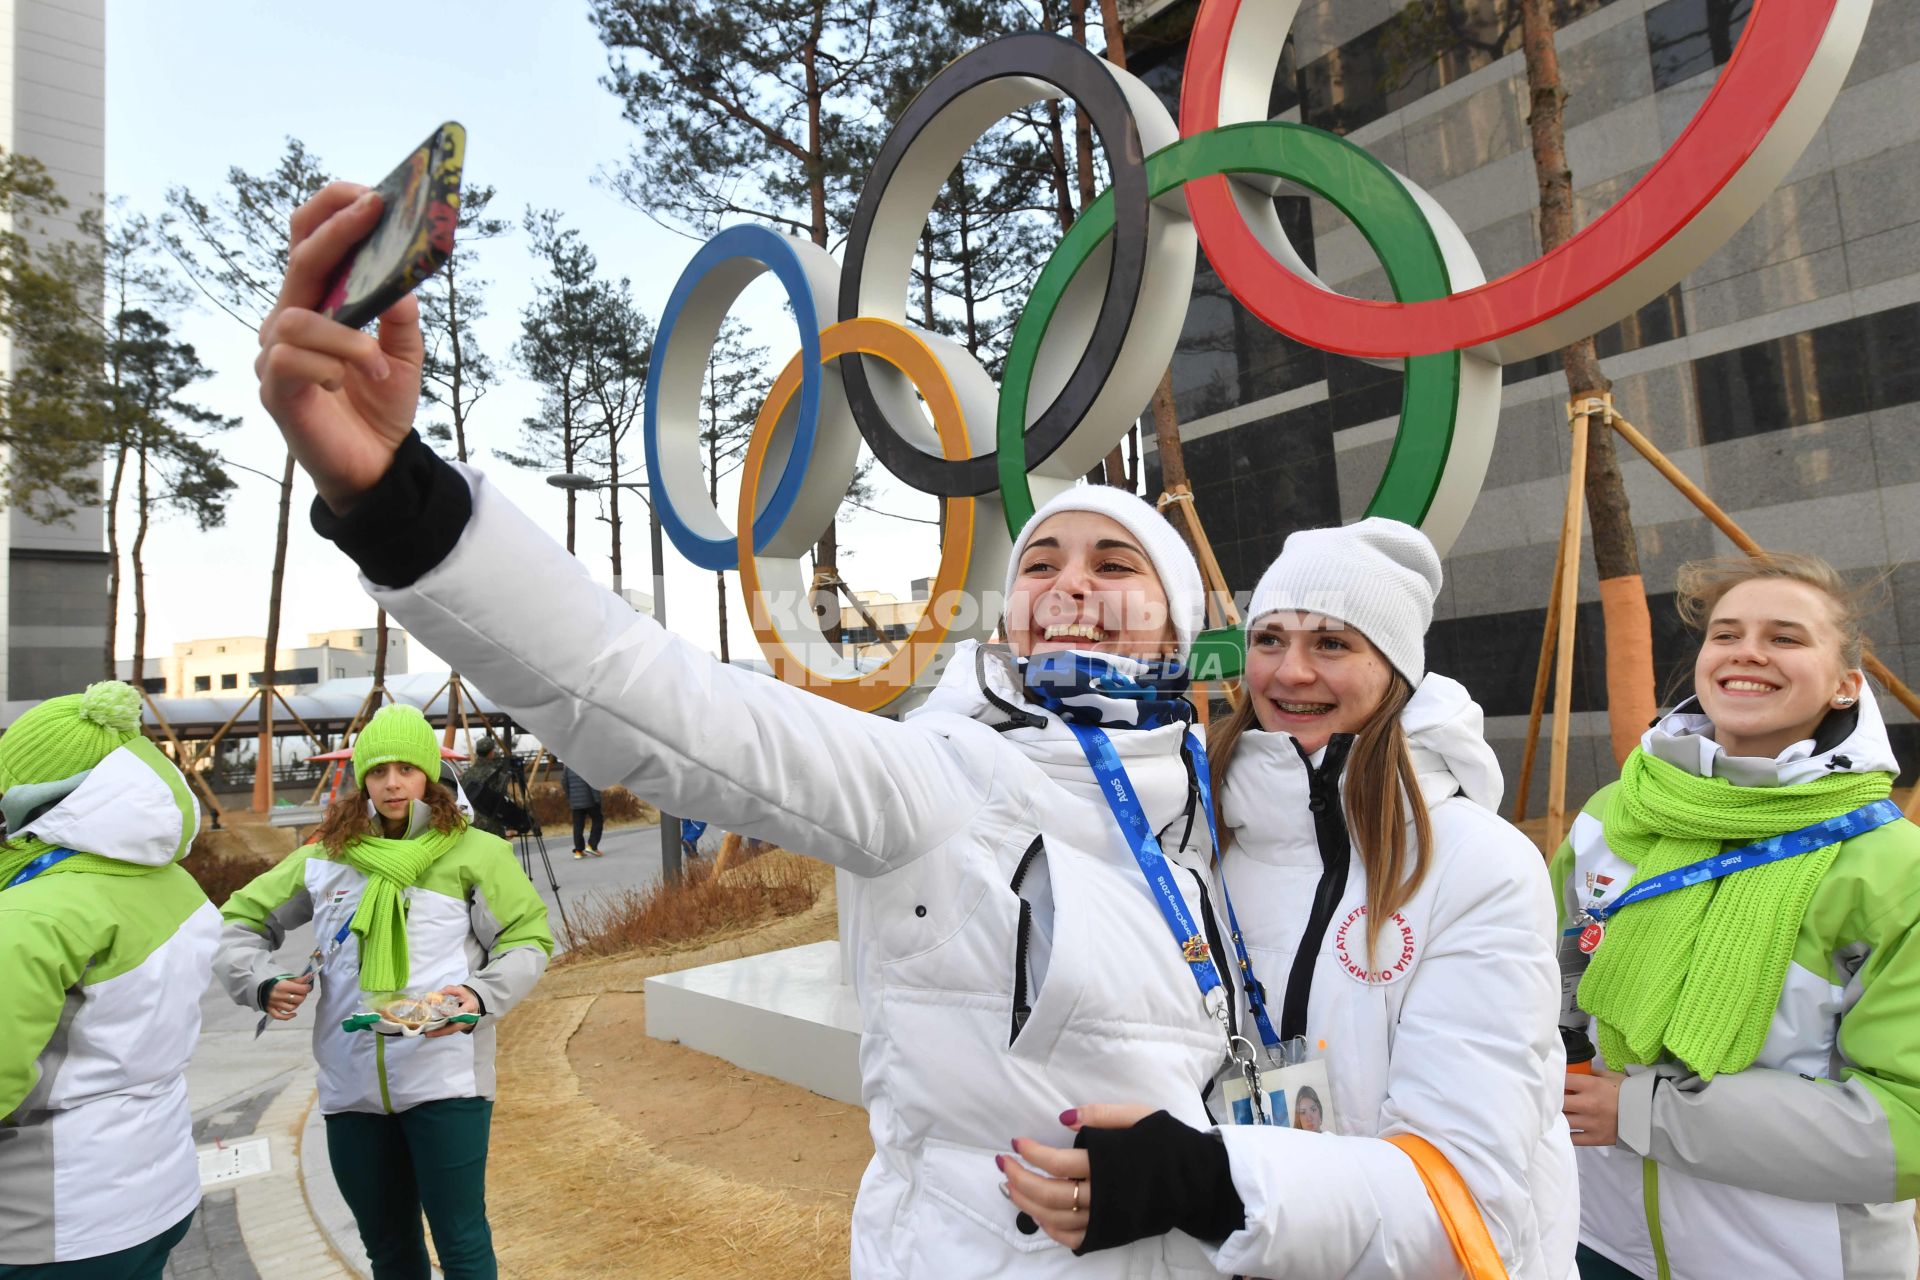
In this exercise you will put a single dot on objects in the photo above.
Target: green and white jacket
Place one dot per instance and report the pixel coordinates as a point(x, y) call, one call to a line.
point(1806, 1163)
point(473, 919)
point(100, 985)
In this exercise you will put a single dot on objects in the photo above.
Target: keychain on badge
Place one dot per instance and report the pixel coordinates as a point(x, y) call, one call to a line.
point(1250, 1074)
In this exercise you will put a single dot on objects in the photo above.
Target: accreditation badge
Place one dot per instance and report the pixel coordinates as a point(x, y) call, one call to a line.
point(1286, 1086)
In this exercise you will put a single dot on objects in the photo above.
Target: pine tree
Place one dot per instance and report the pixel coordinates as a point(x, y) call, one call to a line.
point(234, 249)
point(1420, 35)
point(456, 372)
point(746, 110)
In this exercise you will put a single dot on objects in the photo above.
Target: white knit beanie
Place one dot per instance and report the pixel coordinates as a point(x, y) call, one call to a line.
point(1179, 574)
point(1378, 576)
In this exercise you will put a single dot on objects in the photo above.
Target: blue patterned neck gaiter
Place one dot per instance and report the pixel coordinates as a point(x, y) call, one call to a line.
point(1106, 690)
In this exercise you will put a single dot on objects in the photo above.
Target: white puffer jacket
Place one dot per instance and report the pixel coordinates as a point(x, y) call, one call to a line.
point(938, 813)
point(1449, 1032)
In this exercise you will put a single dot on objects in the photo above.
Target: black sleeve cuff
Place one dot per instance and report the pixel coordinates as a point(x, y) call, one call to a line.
point(406, 524)
point(1156, 1177)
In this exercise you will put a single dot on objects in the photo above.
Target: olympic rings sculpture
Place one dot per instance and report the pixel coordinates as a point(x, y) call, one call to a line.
point(1106, 311)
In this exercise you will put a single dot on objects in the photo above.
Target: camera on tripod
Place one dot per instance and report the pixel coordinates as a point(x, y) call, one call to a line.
point(497, 788)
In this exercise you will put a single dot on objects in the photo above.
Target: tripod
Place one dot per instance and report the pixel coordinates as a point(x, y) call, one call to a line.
point(514, 812)
point(528, 842)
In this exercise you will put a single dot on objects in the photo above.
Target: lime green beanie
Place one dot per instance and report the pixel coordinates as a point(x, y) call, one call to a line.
point(68, 735)
point(396, 732)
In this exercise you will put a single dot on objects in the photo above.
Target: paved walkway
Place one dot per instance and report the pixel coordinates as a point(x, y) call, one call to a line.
point(290, 1223)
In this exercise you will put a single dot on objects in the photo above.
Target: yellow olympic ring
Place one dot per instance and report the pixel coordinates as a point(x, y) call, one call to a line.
point(797, 649)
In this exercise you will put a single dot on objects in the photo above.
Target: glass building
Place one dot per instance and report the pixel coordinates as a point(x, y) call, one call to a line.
point(1783, 375)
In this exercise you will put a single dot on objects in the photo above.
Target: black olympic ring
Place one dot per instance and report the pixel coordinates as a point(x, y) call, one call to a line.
point(1084, 77)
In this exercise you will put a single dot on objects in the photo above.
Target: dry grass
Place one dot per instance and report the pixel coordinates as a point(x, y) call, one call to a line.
point(223, 865)
point(701, 909)
point(548, 801)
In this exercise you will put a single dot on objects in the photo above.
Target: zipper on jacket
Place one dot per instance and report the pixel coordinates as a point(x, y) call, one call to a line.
point(380, 1067)
point(1650, 1192)
point(1336, 858)
point(1022, 1006)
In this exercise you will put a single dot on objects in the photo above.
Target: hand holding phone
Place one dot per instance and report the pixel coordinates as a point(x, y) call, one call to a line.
point(345, 400)
point(420, 206)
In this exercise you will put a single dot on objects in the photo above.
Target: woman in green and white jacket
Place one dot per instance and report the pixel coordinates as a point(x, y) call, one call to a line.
point(105, 946)
point(403, 895)
point(1754, 1109)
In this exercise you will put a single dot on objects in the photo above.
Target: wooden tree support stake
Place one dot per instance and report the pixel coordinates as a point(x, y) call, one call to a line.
point(1568, 578)
point(213, 743)
point(1178, 500)
point(180, 758)
point(1558, 637)
point(830, 581)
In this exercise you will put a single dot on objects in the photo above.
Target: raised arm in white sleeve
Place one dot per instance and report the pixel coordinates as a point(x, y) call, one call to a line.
point(625, 701)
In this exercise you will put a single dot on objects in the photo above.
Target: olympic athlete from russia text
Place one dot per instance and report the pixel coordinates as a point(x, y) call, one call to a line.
point(1002, 933)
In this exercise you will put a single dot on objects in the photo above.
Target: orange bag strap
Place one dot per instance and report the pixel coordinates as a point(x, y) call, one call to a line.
point(1466, 1229)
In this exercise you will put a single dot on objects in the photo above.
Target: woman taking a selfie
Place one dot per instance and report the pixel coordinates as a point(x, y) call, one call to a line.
point(1038, 904)
point(418, 916)
point(1747, 894)
point(1405, 934)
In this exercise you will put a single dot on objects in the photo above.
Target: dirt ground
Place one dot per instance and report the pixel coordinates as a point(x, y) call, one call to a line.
point(616, 1155)
point(707, 1111)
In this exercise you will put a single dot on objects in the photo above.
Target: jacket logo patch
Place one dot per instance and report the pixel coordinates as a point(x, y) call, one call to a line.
point(1393, 952)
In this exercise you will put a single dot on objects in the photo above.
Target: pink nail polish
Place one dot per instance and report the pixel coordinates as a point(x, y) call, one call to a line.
point(1070, 1117)
point(1000, 1163)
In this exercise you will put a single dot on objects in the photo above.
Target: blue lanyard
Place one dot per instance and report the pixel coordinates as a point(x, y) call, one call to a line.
point(1114, 784)
point(1256, 991)
point(39, 864)
point(1867, 817)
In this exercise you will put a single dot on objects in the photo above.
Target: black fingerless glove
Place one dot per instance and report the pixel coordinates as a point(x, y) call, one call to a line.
point(1156, 1177)
point(405, 525)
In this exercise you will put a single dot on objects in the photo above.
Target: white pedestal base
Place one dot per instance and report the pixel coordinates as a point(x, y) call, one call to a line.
point(784, 1014)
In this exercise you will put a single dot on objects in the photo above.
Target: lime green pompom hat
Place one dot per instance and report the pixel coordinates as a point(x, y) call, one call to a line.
point(396, 732)
point(69, 735)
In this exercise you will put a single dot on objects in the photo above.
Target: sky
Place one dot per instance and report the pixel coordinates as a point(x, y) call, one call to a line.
point(193, 90)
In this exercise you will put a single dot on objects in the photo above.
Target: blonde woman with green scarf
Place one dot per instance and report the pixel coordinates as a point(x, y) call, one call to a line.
point(105, 944)
point(404, 897)
point(1738, 916)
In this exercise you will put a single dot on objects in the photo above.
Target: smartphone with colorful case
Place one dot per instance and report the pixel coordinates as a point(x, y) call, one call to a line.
point(414, 237)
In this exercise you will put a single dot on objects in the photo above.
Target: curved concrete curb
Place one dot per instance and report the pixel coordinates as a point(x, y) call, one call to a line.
point(282, 1237)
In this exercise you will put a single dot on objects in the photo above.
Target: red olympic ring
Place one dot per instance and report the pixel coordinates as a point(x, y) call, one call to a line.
point(1769, 67)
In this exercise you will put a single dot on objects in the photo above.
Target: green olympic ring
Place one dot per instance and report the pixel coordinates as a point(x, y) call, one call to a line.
point(1383, 211)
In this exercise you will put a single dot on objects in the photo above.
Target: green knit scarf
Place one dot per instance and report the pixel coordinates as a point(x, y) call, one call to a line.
point(1697, 973)
point(15, 856)
point(380, 922)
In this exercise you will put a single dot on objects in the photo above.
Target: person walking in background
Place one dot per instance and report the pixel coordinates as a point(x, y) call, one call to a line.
point(407, 900)
point(1748, 895)
point(106, 946)
point(584, 800)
